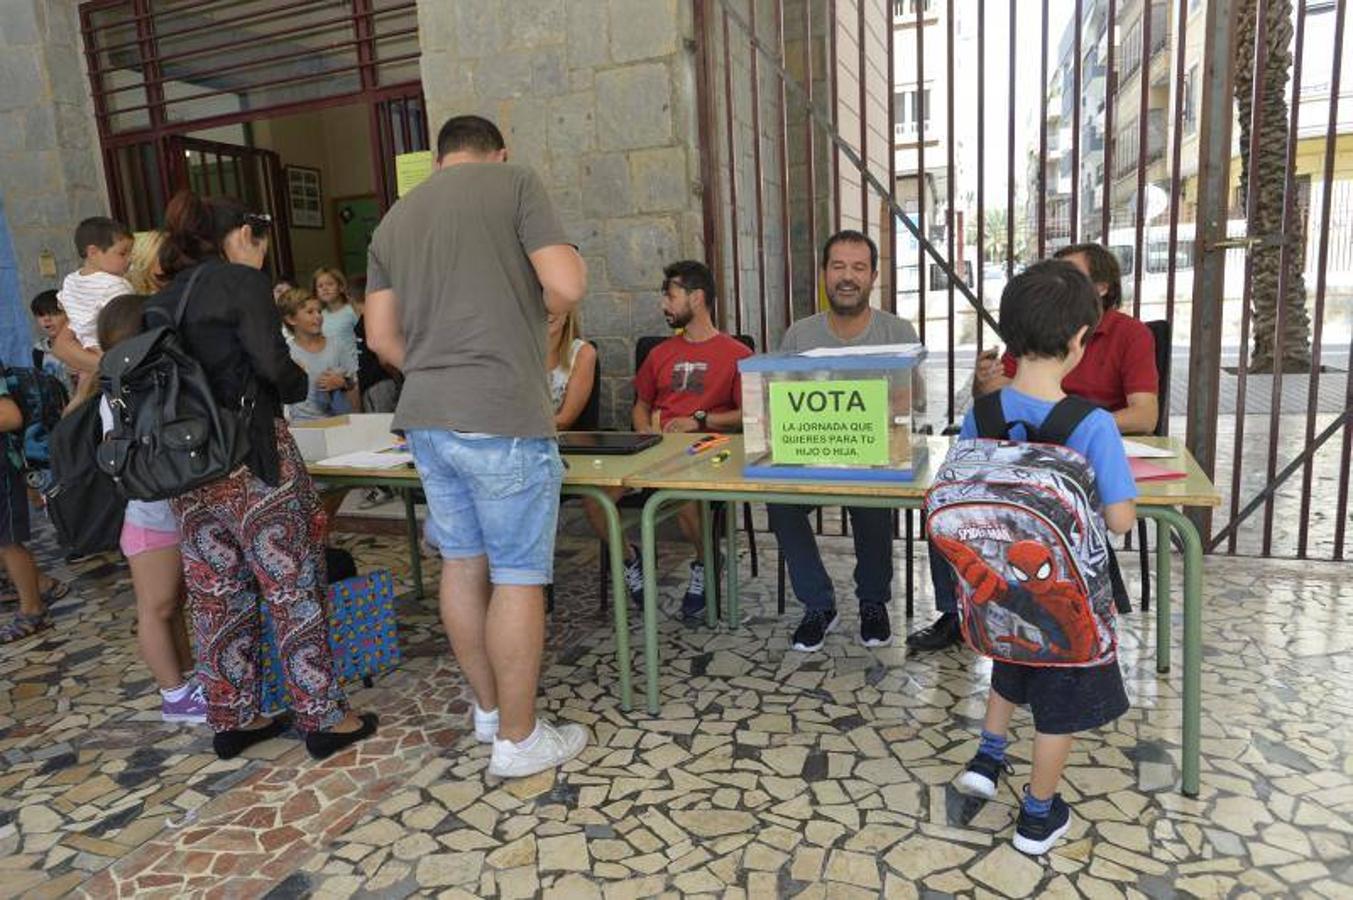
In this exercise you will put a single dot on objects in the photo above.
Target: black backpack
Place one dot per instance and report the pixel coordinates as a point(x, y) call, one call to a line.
point(83, 503)
point(169, 434)
point(41, 398)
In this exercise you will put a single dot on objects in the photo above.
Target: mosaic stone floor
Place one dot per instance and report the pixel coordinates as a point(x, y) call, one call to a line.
point(770, 773)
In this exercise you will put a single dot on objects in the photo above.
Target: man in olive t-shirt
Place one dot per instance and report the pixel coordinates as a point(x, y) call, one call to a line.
point(462, 273)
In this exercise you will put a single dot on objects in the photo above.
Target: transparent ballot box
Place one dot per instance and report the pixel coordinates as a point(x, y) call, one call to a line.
point(832, 413)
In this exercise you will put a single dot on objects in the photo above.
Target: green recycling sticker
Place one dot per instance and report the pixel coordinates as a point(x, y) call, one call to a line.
point(829, 423)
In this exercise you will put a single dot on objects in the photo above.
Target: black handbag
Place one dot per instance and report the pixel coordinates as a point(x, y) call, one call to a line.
point(169, 434)
point(83, 503)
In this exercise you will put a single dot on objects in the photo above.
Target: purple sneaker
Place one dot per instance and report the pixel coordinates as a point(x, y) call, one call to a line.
point(191, 708)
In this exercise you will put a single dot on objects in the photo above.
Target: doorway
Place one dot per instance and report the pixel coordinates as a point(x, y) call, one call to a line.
point(298, 108)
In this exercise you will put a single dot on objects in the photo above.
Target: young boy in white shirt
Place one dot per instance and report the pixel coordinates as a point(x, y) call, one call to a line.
point(105, 246)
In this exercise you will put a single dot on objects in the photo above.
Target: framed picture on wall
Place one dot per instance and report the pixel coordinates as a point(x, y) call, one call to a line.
point(304, 197)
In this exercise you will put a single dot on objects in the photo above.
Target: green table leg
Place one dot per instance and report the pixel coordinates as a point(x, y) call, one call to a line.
point(615, 542)
point(415, 551)
point(1163, 623)
point(648, 530)
point(707, 548)
point(1193, 641)
point(732, 600)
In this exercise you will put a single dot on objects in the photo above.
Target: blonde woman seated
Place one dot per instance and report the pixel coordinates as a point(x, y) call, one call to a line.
point(572, 364)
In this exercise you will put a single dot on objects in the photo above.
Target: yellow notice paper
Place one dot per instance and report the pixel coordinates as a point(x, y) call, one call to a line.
point(411, 169)
point(829, 423)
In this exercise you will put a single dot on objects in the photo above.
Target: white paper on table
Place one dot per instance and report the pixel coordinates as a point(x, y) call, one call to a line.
point(370, 459)
point(1146, 451)
point(864, 350)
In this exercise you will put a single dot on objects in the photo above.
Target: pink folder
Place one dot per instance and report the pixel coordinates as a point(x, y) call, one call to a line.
point(1144, 470)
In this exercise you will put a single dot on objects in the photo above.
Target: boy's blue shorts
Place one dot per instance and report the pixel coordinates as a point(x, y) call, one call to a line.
point(1063, 700)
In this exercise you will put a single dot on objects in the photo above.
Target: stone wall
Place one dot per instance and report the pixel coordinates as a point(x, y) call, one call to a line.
point(599, 97)
point(50, 172)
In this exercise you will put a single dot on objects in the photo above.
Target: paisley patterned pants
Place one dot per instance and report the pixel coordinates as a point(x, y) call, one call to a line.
point(243, 539)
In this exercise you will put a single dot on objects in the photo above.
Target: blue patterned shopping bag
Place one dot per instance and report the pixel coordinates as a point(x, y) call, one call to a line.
point(363, 636)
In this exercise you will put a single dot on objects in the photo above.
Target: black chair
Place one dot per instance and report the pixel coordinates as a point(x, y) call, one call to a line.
point(590, 418)
point(642, 347)
point(1162, 332)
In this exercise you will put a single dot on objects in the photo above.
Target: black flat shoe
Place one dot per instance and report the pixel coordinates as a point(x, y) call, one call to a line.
point(943, 632)
point(323, 744)
point(230, 744)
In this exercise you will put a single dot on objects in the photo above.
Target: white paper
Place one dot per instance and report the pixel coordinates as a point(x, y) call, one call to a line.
point(369, 459)
point(1146, 451)
point(865, 350)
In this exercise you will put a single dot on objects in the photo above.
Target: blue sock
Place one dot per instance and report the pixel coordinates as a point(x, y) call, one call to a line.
point(1035, 807)
point(993, 745)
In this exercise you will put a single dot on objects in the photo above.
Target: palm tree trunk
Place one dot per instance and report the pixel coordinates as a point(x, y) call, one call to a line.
point(1267, 174)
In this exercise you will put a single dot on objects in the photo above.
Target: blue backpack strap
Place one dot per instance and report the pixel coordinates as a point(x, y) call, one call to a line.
point(990, 417)
point(1063, 421)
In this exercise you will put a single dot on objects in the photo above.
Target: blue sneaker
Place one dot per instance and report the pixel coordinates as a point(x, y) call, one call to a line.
point(693, 604)
point(982, 776)
point(634, 578)
point(1035, 835)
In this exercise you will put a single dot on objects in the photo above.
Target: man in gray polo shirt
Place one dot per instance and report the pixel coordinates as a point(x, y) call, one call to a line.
point(462, 273)
point(849, 270)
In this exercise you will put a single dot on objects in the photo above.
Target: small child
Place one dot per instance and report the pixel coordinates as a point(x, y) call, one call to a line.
point(36, 591)
point(340, 317)
point(1047, 313)
point(331, 366)
point(150, 542)
point(106, 247)
point(51, 319)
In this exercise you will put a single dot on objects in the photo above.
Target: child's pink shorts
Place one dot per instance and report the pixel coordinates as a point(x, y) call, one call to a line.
point(139, 539)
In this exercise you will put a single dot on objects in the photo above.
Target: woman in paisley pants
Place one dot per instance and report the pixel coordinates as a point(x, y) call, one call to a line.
point(259, 531)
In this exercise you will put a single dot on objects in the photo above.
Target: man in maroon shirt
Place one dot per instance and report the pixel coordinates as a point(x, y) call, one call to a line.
point(687, 383)
point(1118, 372)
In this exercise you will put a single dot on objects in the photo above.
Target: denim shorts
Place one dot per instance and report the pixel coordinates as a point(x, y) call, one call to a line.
point(491, 496)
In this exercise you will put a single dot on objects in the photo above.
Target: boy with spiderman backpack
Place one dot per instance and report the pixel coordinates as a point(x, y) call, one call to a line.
point(1019, 509)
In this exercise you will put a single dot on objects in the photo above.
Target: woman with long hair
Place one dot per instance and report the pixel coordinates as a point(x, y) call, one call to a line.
point(258, 532)
point(572, 364)
point(143, 270)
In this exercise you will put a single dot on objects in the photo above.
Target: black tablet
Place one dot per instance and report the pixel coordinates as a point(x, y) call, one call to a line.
point(606, 443)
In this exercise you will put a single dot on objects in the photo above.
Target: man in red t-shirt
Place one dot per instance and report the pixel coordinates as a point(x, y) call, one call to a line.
point(688, 383)
point(1117, 372)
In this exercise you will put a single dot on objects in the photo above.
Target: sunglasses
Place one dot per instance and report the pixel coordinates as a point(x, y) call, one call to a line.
point(258, 224)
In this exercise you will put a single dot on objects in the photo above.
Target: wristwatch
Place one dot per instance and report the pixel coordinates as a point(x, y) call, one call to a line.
point(699, 416)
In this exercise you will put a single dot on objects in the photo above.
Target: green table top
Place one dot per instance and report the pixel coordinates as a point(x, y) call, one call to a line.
point(702, 472)
point(668, 466)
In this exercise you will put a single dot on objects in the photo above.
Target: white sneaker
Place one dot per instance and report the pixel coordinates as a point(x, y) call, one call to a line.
point(485, 725)
point(552, 747)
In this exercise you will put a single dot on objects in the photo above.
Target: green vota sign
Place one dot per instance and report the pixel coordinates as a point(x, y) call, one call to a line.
point(829, 423)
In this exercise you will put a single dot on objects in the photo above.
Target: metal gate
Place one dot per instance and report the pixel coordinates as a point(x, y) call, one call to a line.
point(974, 136)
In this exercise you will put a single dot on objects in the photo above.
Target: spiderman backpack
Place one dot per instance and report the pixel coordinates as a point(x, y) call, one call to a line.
point(1020, 523)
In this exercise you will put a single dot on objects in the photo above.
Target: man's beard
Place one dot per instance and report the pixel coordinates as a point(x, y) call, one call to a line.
point(675, 321)
point(861, 303)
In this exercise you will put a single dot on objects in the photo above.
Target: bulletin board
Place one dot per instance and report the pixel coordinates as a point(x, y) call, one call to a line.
point(357, 218)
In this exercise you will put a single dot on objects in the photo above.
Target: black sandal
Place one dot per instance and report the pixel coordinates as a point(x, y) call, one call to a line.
point(323, 744)
point(230, 744)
